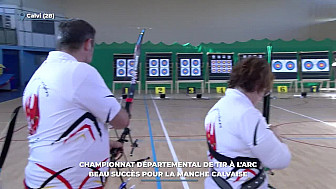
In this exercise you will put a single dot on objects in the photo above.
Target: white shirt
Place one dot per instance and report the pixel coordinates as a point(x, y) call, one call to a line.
point(67, 104)
point(231, 125)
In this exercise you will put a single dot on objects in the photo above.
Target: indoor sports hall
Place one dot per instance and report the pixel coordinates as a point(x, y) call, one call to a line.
point(186, 51)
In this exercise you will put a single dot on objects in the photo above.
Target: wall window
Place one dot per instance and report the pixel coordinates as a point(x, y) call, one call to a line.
point(43, 27)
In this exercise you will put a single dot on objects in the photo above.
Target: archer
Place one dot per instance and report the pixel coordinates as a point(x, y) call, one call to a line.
point(67, 126)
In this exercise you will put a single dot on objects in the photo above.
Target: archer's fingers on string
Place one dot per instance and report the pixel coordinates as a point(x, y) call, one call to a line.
point(115, 144)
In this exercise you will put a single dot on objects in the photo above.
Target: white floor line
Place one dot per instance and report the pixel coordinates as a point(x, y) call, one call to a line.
point(304, 116)
point(170, 145)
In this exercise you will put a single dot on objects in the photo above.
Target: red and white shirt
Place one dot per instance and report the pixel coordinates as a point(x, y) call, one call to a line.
point(67, 105)
point(234, 127)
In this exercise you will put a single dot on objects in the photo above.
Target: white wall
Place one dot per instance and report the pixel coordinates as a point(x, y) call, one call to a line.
point(53, 6)
point(197, 21)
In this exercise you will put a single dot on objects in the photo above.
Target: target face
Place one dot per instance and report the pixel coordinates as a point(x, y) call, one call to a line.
point(121, 63)
point(185, 63)
point(164, 72)
point(121, 72)
point(185, 72)
point(308, 65)
point(130, 72)
point(154, 72)
point(164, 62)
point(131, 63)
point(290, 65)
point(153, 62)
point(195, 72)
point(277, 65)
point(315, 65)
point(195, 62)
point(321, 65)
point(284, 66)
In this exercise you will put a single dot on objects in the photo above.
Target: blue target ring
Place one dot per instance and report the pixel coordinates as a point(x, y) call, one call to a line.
point(121, 63)
point(164, 71)
point(308, 65)
point(290, 65)
point(321, 64)
point(185, 71)
point(185, 63)
point(277, 65)
point(154, 63)
point(131, 63)
point(121, 72)
point(164, 63)
point(195, 71)
point(196, 62)
point(154, 71)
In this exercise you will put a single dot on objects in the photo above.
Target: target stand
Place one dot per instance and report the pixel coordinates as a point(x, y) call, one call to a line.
point(159, 83)
point(159, 69)
point(284, 67)
point(189, 69)
point(123, 65)
point(219, 68)
point(188, 81)
point(315, 68)
point(125, 82)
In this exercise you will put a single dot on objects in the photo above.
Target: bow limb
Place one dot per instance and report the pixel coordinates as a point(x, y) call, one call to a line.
point(130, 96)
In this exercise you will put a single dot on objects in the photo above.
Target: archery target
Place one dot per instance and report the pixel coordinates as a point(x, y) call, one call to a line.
point(164, 72)
point(321, 65)
point(277, 65)
point(153, 72)
point(290, 65)
point(195, 71)
point(131, 63)
point(185, 63)
point(153, 62)
point(130, 72)
point(195, 62)
point(164, 63)
point(121, 63)
point(185, 71)
point(308, 65)
point(284, 66)
point(221, 66)
point(121, 72)
point(315, 65)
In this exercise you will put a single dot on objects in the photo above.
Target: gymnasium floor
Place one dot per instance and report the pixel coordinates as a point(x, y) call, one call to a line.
point(172, 130)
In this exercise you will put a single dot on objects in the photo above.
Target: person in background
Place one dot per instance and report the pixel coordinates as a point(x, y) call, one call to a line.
point(68, 108)
point(238, 135)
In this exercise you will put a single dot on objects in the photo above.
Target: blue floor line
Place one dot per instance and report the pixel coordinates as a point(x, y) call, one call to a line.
point(158, 182)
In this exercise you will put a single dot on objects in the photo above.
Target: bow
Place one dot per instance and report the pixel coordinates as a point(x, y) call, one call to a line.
point(267, 102)
point(8, 137)
point(267, 99)
point(127, 132)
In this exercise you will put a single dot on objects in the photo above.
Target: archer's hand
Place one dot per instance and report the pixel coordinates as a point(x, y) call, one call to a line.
point(117, 148)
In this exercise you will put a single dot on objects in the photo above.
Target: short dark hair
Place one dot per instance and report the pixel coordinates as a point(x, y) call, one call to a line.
point(252, 74)
point(73, 33)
